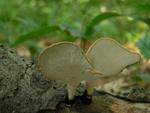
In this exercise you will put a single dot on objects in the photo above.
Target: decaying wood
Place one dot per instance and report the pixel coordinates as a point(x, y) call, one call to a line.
point(24, 90)
point(105, 103)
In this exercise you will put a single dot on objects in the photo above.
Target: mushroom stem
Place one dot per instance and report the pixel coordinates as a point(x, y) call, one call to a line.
point(81, 42)
point(90, 88)
point(71, 87)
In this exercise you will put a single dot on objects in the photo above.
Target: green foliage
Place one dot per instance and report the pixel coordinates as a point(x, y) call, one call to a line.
point(144, 46)
point(99, 18)
point(142, 78)
point(72, 32)
point(35, 34)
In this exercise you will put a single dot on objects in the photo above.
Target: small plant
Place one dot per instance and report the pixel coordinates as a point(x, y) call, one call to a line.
point(67, 32)
point(66, 61)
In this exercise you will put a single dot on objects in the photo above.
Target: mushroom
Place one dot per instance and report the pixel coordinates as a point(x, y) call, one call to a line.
point(66, 61)
point(109, 57)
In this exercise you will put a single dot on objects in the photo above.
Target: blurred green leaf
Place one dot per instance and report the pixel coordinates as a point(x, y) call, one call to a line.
point(142, 77)
point(38, 33)
point(71, 31)
point(146, 20)
point(144, 7)
point(137, 78)
point(35, 34)
point(99, 18)
point(144, 46)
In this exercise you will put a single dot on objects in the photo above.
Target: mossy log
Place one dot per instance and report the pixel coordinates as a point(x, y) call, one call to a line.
point(23, 89)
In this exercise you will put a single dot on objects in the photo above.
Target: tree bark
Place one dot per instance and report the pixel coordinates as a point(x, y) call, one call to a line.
point(23, 89)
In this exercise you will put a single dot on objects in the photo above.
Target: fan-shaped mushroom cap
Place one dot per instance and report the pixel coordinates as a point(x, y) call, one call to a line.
point(65, 61)
point(109, 57)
